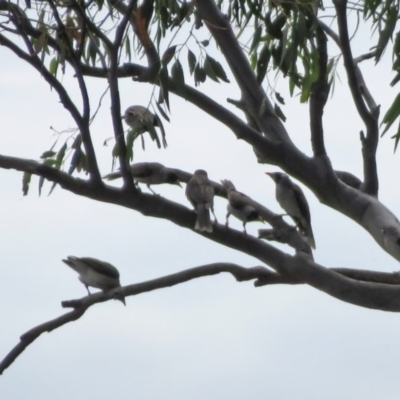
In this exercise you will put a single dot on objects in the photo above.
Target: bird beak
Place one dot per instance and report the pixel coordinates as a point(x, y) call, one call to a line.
point(178, 184)
point(271, 175)
point(118, 295)
point(122, 300)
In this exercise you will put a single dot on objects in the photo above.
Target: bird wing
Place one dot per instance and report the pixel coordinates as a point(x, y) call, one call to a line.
point(144, 170)
point(199, 190)
point(238, 200)
point(302, 202)
point(101, 267)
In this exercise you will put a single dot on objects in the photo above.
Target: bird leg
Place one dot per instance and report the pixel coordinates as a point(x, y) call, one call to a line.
point(227, 218)
point(215, 218)
point(151, 190)
point(87, 288)
point(244, 229)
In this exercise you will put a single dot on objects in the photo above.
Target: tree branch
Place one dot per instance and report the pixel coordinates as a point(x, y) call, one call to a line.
point(319, 96)
point(84, 120)
point(35, 62)
point(252, 93)
point(30, 336)
point(301, 266)
point(369, 117)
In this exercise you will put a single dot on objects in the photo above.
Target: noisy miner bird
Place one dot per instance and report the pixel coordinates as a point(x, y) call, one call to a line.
point(240, 205)
point(200, 193)
point(150, 173)
point(141, 120)
point(291, 198)
point(95, 273)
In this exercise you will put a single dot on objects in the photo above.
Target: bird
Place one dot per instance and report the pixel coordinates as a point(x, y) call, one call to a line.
point(141, 120)
point(200, 193)
point(95, 273)
point(291, 198)
point(150, 173)
point(240, 205)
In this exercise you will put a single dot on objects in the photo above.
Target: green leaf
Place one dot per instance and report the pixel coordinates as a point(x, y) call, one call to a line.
point(279, 98)
point(391, 114)
point(41, 182)
point(162, 112)
point(263, 106)
point(167, 56)
point(209, 69)
point(178, 77)
point(128, 48)
point(386, 33)
point(92, 50)
point(40, 43)
point(130, 138)
point(26, 179)
point(60, 155)
point(199, 75)
point(279, 112)
point(53, 66)
point(115, 151)
point(48, 154)
point(217, 68)
point(191, 61)
point(164, 92)
point(257, 35)
point(75, 160)
point(262, 64)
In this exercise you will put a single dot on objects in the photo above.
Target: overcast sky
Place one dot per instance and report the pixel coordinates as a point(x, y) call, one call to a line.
point(212, 338)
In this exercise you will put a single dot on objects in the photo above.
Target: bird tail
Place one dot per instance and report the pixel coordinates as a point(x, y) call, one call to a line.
point(113, 175)
point(203, 221)
point(309, 234)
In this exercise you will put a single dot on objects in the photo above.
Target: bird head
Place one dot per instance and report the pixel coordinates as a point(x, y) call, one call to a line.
point(228, 185)
point(276, 176)
point(200, 172)
point(137, 114)
point(173, 179)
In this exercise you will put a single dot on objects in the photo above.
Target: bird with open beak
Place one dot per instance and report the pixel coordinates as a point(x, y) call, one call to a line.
point(141, 120)
point(240, 205)
point(291, 198)
point(95, 273)
point(150, 173)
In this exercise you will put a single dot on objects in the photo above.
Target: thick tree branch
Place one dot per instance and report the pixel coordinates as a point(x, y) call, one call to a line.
point(112, 75)
point(30, 336)
point(80, 306)
point(369, 117)
point(300, 266)
point(262, 275)
point(319, 96)
point(252, 93)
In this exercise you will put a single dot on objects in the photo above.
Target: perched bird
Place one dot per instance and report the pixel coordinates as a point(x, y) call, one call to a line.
point(200, 193)
point(96, 273)
point(240, 205)
point(291, 198)
point(150, 173)
point(141, 120)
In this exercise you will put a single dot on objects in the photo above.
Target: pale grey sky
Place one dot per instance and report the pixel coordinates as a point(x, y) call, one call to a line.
point(210, 338)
